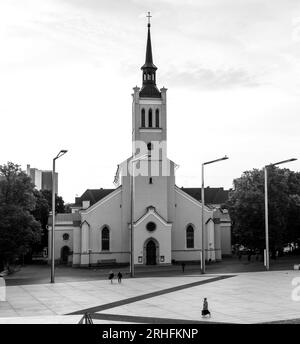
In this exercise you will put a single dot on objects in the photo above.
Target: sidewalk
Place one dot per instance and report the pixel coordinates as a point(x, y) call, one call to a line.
point(32, 274)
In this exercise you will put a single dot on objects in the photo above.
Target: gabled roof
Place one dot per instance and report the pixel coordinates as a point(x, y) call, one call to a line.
point(211, 195)
point(92, 195)
point(151, 210)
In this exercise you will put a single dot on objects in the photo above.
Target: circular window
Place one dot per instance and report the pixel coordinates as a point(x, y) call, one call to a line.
point(66, 236)
point(151, 226)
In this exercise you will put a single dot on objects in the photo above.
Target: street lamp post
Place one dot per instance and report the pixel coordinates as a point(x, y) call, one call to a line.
point(61, 153)
point(267, 258)
point(202, 213)
point(132, 161)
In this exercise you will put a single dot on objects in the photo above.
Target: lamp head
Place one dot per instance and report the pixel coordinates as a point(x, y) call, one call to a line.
point(210, 162)
point(282, 162)
point(61, 153)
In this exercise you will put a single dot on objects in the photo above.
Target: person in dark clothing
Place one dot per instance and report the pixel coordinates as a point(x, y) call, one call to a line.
point(120, 277)
point(182, 266)
point(205, 310)
point(111, 276)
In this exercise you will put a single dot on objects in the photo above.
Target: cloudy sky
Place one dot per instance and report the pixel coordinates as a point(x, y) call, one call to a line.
point(67, 68)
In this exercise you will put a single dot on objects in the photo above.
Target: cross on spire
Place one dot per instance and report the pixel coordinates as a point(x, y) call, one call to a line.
point(148, 16)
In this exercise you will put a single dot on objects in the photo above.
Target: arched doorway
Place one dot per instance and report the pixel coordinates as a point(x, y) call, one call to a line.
point(151, 253)
point(64, 255)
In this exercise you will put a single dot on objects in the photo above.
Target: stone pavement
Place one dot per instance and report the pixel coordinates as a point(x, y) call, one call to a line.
point(254, 297)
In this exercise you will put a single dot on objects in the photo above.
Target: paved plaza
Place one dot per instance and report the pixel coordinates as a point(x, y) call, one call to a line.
point(254, 297)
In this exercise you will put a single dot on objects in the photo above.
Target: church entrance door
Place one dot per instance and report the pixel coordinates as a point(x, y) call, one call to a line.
point(65, 251)
point(151, 253)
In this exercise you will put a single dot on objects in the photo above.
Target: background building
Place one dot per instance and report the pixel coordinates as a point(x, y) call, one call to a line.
point(42, 179)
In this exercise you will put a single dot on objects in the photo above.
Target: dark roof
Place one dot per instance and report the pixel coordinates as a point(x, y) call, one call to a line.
point(150, 91)
point(92, 195)
point(211, 195)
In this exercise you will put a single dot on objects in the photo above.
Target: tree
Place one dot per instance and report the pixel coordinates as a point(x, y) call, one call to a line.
point(41, 214)
point(59, 202)
point(16, 187)
point(19, 230)
point(247, 210)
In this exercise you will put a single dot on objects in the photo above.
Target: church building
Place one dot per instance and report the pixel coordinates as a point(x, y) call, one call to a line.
point(146, 212)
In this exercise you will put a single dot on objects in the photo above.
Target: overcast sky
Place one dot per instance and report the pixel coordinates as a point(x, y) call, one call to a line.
point(67, 68)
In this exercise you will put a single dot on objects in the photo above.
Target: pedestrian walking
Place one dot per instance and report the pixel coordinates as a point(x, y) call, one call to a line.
point(182, 266)
point(205, 310)
point(120, 277)
point(111, 276)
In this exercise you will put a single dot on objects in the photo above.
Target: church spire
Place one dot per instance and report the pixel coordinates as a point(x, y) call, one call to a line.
point(149, 59)
point(149, 88)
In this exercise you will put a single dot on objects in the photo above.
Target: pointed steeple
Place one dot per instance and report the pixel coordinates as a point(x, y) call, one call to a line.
point(149, 59)
point(149, 88)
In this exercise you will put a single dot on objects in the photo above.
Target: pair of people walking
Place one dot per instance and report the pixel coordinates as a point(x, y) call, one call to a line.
point(112, 275)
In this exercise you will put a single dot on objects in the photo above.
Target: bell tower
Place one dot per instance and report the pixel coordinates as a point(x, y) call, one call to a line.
point(153, 178)
point(149, 116)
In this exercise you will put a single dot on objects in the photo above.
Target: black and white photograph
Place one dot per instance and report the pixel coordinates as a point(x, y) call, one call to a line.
point(150, 165)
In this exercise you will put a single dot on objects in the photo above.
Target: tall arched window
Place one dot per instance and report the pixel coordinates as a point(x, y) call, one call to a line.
point(190, 237)
point(143, 119)
point(105, 239)
point(157, 118)
point(150, 118)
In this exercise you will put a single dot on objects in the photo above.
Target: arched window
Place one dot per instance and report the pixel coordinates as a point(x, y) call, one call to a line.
point(190, 237)
point(157, 118)
point(143, 119)
point(150, 118)
point(105, 239)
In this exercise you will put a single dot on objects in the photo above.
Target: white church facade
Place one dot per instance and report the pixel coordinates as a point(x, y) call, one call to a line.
point(147, 209)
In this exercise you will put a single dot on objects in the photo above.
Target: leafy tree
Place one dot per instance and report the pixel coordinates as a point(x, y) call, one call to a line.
point(41, 214)
point(18, 231)
point(59, 202)
point(247, 210)
point(18, 227)
point(16, 187)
